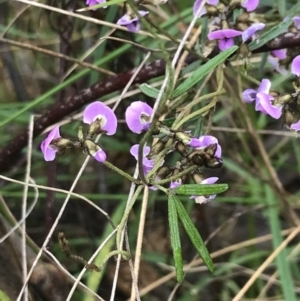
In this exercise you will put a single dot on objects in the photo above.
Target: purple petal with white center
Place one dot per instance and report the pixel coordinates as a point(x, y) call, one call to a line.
point(100, 155)
point(98, 110)
point(280, 53)
point(264, 105)
point(48, 150)
point(225, 44)
point(133, 116)
point(204, 199)
point(297, 21)
point(251, 31)
point(249, 95)
point(295, 126)
point(224, 33)
point(264, 86)
point(250, 5)
point(295, 67)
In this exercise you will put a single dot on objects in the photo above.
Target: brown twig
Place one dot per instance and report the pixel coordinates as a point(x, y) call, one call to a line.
point(56, 112)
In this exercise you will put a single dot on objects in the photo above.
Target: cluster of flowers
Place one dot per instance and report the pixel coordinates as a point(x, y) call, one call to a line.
point(275, 104)
point(129, 19)
point(198, 152)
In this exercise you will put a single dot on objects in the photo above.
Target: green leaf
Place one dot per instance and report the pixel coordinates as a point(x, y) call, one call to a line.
point(282, 262)
point(271, 34)
point(202, 71)
point(175, 237)
point(281, 8)
point(149, 91)
point(193, 234)
point(198, 189)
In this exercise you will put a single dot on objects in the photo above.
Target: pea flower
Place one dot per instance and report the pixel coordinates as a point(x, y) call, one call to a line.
point(202, 199)
point(250, 5)
point(263, 101)
point(132, 22)
point(95, 2)
point(225, 37)
point(207, 140)
point(101, 119)
point(203, 10)
point(48, 148)
point(147, 164)
point(250, 32)
point(295, 66)
point(94, 150)
point(137, 116)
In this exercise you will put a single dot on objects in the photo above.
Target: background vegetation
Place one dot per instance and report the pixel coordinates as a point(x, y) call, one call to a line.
point(252, 230)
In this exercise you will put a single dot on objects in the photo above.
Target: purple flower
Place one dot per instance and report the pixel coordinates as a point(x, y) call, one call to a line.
point(202, 199)
point(48, 150)
point(137, 116)
point(207, 140)
point(279, 53)
point(95, 2)
point(295, 126)
point(100, 155)
point(133, 24)
point(147, 164)
point(250, 5)
point(203, 10)
point(263, 101)
point(297, 22)
point(295, 67)
point(98, 110)
point(251, 31)
point(225, 37)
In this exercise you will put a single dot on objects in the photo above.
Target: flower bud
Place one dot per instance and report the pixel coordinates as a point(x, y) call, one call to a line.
point(156, 148)
point(163, 172)
point(182, 149)
point(282, 100)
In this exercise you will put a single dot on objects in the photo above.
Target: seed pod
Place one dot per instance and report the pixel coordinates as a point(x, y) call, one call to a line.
point(163, 172)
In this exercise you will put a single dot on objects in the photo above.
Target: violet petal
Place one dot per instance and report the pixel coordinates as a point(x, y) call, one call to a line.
point(48, 150)
point(134, 114)
point(249, 95)
point(250, 5)
point(251, 31)
point(295, 67)
point(107, 116)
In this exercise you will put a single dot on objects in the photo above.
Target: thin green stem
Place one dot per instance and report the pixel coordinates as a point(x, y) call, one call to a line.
point(125, 255)
point(121, 172)
point(125, 216)
point(175, 177)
